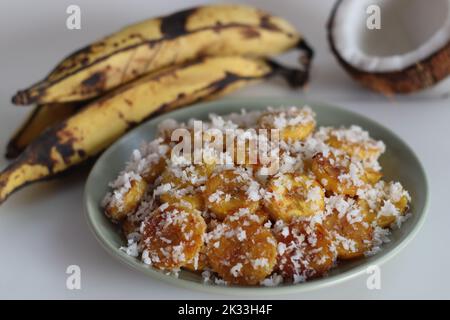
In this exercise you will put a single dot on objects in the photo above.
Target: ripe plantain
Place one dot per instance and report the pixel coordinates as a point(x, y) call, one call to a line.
point(214, 30)
point(101, 122)
point(41, 117)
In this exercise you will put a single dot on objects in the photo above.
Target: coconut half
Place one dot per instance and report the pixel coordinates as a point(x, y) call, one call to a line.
point(409, 52)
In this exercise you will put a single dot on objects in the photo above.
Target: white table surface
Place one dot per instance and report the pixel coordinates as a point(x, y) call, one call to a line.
point(42, 227)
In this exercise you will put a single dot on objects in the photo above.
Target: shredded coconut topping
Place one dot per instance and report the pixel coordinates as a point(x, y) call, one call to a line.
point(345, 195)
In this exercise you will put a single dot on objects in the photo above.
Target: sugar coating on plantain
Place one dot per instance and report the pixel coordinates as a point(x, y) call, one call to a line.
point(171, 237)
point(126, 200)
point(179, 186)
point(181, 180)
point(131, 185)
point(385, 204)
point(129, 226)
point(199, 262)
point(293, 123)
point(229, 190)
point(293, 195)
point(338, 174)
point(305, 249)
point(353, 141)
point(241, 250)
point(351, 233)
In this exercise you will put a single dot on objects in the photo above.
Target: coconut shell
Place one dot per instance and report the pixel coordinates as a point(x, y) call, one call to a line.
point(424, 74)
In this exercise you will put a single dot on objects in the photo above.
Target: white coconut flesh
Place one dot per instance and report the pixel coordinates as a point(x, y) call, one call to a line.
point(410, 31)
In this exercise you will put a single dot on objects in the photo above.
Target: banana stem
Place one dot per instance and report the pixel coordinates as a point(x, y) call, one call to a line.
point(296, 78)
point(307, 53)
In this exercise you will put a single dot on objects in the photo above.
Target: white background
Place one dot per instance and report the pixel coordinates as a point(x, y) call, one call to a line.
point(42, 227)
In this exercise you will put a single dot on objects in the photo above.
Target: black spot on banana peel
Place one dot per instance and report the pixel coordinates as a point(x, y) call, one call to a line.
point(41, 117)
point(95, 81)
point(174, 25)
point(92, 129)
point(215, 30)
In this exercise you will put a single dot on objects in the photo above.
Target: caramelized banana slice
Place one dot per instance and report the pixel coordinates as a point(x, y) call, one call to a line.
point(371, 176)
point(179, 186)
point(154, 170)
point(125, 200)
point(199, 263)
point(295, 124)
point(305, 250)
point(129, 226)
point(356, 142)
point(351, 236)
point(263, 215)
point(149, 160)
point(172, 237)
point(395, 204)
point(338, 175)
point(293, 195)
point(385, 203)
point(241, 251)
point(229, 190)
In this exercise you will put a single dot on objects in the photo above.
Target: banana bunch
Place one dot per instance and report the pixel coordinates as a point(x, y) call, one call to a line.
point(98, 93)
point(215, 30)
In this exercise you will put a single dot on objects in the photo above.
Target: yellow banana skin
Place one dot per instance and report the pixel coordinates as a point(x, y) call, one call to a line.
point(101, 122)
point(41, 117)
point(214, 30)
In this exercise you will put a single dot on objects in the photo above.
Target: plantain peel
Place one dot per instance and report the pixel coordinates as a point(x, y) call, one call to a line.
point(214, 30)
point(101, 122)
point(41, 117)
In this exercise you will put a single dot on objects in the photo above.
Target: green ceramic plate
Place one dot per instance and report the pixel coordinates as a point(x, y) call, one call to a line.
point(399, 163)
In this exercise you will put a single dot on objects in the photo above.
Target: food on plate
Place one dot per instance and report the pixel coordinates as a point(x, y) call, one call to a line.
point(294, 195)
point(351, 234)
point(294, 124)
point(305, 249)
point(229, 190)
point(118, 209)
point(241, 250)
point(388, 204)
point(172, 236)
point(324, 202)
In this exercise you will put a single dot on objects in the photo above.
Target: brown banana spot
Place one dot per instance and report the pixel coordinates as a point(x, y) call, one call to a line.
point(95, 81)
point(39, 152)
point(80, 56)
point(250, 33)
point(24, 97)
point(174, 25)
point(81, 153)
point(138, 36)
point(131, 124)
point(267, 24)
point(217, 28)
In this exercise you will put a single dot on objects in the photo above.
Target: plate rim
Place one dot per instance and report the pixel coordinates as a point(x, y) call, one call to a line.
point(252, 290)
